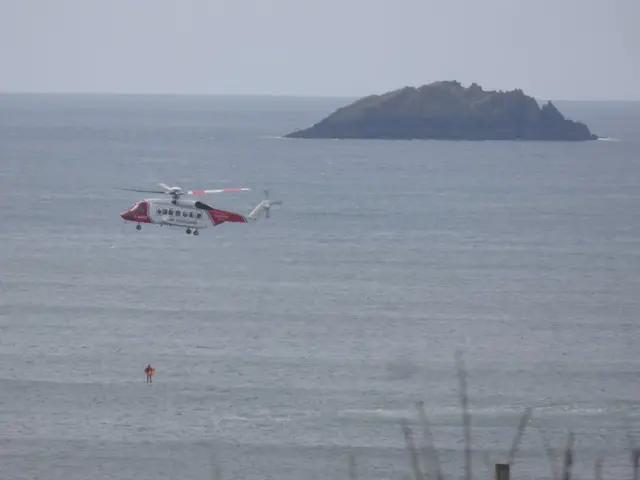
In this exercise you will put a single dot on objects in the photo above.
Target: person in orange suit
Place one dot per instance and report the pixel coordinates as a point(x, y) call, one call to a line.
point(149, 372)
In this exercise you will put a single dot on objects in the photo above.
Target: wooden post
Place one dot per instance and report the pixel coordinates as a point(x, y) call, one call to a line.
point(502, 471)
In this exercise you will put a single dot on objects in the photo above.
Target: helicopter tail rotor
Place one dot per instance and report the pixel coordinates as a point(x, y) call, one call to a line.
point(264, 207)
point(267, 206)
point(267, 212)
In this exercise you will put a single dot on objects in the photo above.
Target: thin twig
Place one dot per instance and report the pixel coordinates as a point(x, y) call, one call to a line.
point(524, 421)
point(466, 418)
point(353, 472)
point(429, 451)
point(487, 461)
point(550, 454)
point(413, 453)
point(216, 472)
point(635, 451)
point(635, 457)
point(568, 458)
point(598, 468)
point(626, 424)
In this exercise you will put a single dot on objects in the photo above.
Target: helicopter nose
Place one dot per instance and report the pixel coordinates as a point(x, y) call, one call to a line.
point(127, 215)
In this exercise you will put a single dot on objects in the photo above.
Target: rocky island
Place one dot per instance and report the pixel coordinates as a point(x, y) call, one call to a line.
point(448, 111)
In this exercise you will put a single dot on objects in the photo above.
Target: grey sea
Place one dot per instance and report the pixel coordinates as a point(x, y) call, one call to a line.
point(283, 348)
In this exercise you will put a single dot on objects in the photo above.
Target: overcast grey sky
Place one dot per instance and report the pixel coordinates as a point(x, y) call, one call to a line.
point(553, 49)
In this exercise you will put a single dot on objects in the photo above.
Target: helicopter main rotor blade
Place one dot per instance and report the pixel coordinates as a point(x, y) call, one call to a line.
point(178, 191)
point(165, 186)
point(219, 190)
point(141, 190)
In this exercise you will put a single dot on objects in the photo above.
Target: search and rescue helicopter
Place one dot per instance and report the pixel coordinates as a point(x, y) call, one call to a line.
point(191, 215)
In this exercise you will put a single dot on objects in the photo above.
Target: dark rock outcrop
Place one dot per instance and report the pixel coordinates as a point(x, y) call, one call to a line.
point(448, 111)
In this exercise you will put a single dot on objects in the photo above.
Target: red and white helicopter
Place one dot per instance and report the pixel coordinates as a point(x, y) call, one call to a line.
point(189, 214)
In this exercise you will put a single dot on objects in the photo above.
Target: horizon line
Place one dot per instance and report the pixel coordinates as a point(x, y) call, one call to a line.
point(272, 95)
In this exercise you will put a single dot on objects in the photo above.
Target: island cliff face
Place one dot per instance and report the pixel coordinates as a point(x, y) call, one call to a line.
point(448, 111)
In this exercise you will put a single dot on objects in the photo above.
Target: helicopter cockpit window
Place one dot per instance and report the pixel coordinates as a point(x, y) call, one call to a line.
point(140, 208)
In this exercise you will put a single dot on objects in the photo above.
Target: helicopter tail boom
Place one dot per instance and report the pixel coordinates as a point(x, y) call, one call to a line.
point(221, 216)
point(261, 210)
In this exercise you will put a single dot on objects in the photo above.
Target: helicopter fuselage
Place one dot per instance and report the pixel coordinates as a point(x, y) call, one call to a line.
point(179, 212)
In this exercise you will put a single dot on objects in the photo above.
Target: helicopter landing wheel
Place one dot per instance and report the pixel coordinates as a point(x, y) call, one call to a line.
point(138, 227)
point(188, 231)
point(195, 232)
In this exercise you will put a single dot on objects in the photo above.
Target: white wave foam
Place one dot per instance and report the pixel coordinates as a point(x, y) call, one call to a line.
point(485, 411)
point(376, 413)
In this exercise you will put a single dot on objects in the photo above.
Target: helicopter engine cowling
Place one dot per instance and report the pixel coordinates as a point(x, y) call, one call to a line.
point(202, 205)
point(182, 202)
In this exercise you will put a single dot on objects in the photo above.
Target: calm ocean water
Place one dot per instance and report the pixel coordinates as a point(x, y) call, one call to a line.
point(284, 347)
